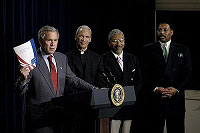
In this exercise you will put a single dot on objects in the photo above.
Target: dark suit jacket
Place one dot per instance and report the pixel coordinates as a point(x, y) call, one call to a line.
point(93, 69)
point(175, 73)
point(39, 87)
point(130, 76)
point(92, 73)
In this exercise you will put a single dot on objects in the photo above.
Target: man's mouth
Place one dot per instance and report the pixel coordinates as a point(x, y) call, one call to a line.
point(83, 42)
point(162, 37)
point(52, 48)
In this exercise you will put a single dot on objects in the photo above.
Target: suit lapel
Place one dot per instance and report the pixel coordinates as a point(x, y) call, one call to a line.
point(59, 71)
point(158, 58)
point(125, 62)
point(45, 72)
point(113, 61)
point(89, 60)
point(77, 61)
point(172, 51)
point(159, 53)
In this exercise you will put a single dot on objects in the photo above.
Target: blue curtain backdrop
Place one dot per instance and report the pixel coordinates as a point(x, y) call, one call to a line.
point(21, 20)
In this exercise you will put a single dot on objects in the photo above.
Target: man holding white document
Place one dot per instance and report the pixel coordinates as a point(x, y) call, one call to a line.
point(46, 81)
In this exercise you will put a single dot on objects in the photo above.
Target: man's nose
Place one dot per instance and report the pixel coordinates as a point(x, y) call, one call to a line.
point(53, 43)
point(84, 38)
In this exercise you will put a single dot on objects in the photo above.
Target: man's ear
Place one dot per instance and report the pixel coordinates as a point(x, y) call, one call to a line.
point(40, 42)
point(109, 44)
point(90, 40)
point(172, 32)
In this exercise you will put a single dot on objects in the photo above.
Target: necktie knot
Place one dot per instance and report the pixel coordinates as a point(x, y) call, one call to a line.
point(50, 58)
point(119, 59)
point(164, 45)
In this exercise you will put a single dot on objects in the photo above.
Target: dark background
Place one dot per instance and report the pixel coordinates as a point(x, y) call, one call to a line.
point(21, 19)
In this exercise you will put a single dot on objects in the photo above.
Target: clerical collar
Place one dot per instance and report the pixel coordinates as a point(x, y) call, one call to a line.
point(81, 51)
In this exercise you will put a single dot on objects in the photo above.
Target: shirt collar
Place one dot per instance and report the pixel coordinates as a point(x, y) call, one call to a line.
point(81, 51)
point(44, 55)
point(121, 55)
point(167, 43)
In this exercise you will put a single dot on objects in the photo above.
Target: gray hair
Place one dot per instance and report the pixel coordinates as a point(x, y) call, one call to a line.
point(82, 27)
point(44, 30)
point(113, 32)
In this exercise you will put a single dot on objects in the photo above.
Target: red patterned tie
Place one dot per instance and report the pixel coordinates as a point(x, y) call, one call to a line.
point(54, 74)
point(119, 60)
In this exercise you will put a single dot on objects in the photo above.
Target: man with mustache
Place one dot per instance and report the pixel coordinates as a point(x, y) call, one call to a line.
point(125, 68)
point(166, 68)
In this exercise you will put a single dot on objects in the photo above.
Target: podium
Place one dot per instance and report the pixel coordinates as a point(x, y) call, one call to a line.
point(96, 103)
point(102, 105)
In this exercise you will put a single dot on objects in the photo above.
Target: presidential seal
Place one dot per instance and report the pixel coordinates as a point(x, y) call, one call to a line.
point(117, 95)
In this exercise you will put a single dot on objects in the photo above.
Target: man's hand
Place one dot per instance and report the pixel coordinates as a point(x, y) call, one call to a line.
point(25, 72)
point(172, 91)
point(167, 92)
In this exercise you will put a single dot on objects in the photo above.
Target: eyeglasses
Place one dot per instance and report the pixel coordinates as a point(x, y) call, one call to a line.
point(117, 40)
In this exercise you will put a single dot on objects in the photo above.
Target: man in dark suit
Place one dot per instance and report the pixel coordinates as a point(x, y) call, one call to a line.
point(126, 71)
point(88, 66)
point(40, 87)
point(167, 69)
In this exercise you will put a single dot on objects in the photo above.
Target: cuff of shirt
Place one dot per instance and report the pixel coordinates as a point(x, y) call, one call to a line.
point(94, 88)
point(155, 90)
point(177, 92)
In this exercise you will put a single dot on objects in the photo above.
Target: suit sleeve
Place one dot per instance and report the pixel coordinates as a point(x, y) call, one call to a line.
point(99, 81)
point(75, 81)
point(138, 81)
point(187, 71)
point(22, 87)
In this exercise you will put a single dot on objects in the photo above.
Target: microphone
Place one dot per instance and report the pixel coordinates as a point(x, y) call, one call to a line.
point(111, 75)
point(106, 77)
point(108, 83)
point(113, 78)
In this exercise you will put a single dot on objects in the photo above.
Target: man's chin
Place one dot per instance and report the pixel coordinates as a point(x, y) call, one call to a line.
point(163, 40)
point(51, 52)
point(118, 52)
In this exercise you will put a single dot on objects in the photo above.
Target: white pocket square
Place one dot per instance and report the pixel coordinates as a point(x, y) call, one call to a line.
point(180, 55)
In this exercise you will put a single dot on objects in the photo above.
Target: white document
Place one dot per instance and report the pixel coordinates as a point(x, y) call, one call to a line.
point(27, 54)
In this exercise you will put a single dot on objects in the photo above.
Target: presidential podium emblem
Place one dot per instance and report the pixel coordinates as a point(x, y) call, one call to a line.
point(117, 94)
